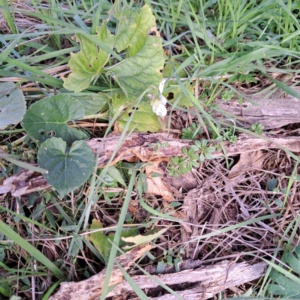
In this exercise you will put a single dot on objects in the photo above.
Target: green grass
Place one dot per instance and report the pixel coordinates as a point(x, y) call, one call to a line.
point(210, 45)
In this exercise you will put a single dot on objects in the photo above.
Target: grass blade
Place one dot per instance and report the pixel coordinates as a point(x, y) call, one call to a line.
point(117, 236)
point(11, 234)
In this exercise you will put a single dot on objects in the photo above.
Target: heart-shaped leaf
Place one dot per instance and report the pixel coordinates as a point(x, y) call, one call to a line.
point(49, 116)
point(92, 102)
point(12, 104)
point(68, 168)
point(285, 282)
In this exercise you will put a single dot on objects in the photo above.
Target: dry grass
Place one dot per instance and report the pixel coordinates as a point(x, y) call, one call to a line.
point(21, 19)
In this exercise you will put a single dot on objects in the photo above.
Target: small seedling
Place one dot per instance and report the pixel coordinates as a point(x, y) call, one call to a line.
point(191, 132)
point(191, 158)
point(157, 146)
point(244, 78)
point(182, 165)
point(227, 95)
point(257, 128)
point(229, 135)
point(204, 148)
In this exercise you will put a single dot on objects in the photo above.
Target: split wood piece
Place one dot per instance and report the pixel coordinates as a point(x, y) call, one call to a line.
point(23, 183)
point(272, 111)
point(211, 280)
point(150, 147)
point(161, 146)
point(91, 288)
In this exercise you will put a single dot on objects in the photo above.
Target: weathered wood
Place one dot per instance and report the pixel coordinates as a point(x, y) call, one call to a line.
point(148, 147)
point(211, 280)
point(91, 288)
point(272, 111)
point(23, 183)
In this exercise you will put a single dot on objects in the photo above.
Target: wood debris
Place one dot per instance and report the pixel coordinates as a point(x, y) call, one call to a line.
point(208, 280)
point(91, 288)
point(144, 147)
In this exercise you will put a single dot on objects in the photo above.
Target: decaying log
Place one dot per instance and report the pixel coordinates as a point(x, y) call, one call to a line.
point(91, 288)
point(210, 279)
point(149, 147)
point(23, 183)
point(272, 111)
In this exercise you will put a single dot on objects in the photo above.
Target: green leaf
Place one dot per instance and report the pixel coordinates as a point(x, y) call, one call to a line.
point(88, 64)
point(285, 282)
point(284, 287)
point(12, 104)
point(297, 251)
point(271, 184)
point(174, 94)
point(49, 116)
point(5, 289)
point(160, 267)
point(137, 73)
point(133, 29)
point(68, 168)
point(91, 102)
point(102, 241)
point(2, 254)
point(13, 297)
point(144, 119)
point(115, 174)
point(172, 66)
point(294, 262)
point(142, 239)
point(184, 151)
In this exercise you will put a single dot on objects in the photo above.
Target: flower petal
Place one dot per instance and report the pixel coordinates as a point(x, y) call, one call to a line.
point(163, 99)
point(160, 110)
point(161, 85)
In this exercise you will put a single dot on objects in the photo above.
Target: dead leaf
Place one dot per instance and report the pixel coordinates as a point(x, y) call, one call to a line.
point(142, 239)
point(155, 183)
point(198, 205)
point(248, 161)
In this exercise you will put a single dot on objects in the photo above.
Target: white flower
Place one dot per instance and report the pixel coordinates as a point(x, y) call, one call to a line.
point(161, 85)
point(159, 108)
point(159, 105)
point(163, 100)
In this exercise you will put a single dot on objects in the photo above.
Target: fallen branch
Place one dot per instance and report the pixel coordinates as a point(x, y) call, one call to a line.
point(209, 280)
point(273, 111)
point(148, 147)
point(91, 288)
